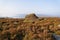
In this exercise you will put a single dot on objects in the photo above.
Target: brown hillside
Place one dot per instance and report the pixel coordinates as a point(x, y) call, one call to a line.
point(29, 28)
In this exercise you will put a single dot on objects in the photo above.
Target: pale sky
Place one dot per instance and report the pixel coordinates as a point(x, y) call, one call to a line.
point(12, 8)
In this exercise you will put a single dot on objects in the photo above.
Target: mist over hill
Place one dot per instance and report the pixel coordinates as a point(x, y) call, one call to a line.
point(39, 15)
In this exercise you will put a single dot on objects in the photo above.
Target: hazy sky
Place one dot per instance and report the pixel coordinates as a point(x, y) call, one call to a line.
point(11, 8)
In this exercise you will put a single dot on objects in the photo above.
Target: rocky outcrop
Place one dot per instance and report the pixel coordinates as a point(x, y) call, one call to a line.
point(31, 16)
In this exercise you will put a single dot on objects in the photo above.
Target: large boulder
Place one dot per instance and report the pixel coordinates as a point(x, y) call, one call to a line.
point(31, 17)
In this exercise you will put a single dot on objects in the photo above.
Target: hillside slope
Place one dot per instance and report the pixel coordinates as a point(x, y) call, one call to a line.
point(29, 28)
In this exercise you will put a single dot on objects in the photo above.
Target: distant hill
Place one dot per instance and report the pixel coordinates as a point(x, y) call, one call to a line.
point(23, 15)
point(39, 15)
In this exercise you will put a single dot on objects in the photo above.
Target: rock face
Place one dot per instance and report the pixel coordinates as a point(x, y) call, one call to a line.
point(17, 29)
point(31, 16)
